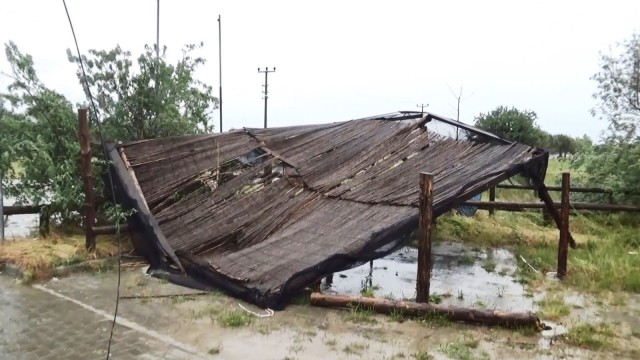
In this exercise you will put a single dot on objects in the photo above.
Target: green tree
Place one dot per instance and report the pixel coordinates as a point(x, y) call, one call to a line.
point(39, 129)
point(563, 145)
point(160, 99)
point(614, 163)
point(512, 124)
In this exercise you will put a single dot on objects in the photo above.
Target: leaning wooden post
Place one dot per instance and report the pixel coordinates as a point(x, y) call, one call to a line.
point(87, 177)
point(492, 198)
point(563, 246)
point(424, 242)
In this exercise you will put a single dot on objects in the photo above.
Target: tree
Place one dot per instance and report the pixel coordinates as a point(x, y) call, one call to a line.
point(614, 163)
point(159, 100)
point(39, 128)
point(618, 92)
point(512, 124)
point(563, 145)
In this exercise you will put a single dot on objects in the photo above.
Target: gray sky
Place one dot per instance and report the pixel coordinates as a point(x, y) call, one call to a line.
point(338, 60)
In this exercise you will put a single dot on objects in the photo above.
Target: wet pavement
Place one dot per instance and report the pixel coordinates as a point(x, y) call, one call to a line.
point(38, 325)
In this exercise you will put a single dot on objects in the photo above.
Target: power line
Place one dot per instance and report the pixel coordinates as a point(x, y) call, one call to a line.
point(266, 72)
point(104, 149)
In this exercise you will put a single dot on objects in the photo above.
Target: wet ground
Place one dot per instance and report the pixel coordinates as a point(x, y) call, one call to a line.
point(69, 318)
point(461, 276)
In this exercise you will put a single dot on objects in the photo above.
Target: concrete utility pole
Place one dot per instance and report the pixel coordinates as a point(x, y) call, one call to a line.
point(422, 106)
point(266, 72)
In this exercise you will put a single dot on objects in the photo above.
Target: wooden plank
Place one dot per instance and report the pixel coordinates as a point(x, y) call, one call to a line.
point(110, 229)
point(133, 176)
point(21, 209)
point(575, 189)
point(563, 244)
point(492, 198)
point(575, 206)
point(409, 308)
point(424, 242)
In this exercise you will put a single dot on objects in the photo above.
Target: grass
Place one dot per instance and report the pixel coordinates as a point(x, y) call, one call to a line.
point(435, 320)
point(601, 262)
point(553, 307)
point(215, 350)
point(38, 256)
point(422, 355)
point(355, 348)
point(359, 315)
point(463, 350)
point(489, 265)
point(466, 259)
point(331, 342)
point(591, 336)
point(235, 318)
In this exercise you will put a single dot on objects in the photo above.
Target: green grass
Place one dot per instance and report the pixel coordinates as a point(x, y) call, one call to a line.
point(463, 350)
point(466, 259)
point(591, 336)
point(601, 262)
point(215, 350)
point(422, 355)
point(360, 315)
point(355, 348)
point(434, 320)
point(489, 265)
point(553, 307)
point(235, 318)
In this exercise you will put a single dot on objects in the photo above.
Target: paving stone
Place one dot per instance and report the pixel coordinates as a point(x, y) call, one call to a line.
point(38, 325)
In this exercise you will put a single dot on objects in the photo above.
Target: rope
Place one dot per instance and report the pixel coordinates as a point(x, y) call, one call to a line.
point(269, 312)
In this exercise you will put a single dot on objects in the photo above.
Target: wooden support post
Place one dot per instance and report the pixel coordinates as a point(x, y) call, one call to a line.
point(424, 242)
point(43, 225)
point(548, 202)
point(492, 198)
point(563, 245)
point(87, 177)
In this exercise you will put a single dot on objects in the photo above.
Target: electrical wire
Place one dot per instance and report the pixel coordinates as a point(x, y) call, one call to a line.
point(104, 150)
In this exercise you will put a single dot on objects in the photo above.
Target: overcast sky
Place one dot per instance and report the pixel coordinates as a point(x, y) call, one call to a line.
point(339, 60)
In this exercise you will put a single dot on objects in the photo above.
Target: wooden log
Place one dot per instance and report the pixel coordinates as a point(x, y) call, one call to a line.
point(575, 206)
point(424, 241)
point(563, 244)
point(21, 209)
point(43, 224)
point(492, 198)
point(409, 308)
point(87, 177)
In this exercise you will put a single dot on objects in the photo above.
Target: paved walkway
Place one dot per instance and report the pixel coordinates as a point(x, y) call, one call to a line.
point(40, 324)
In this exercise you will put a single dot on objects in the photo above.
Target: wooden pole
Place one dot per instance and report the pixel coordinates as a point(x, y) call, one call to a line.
point(410, 308)
point(87, 177)
point(524, 206)
point(492, 198)
point(563, 245)
point(424, 242)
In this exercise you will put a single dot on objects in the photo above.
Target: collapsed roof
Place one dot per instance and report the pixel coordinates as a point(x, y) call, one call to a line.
point(263, 213)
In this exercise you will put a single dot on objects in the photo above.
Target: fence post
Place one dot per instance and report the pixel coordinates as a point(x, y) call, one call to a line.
point(87, 177)
point(492, 198)
point(563, 246)
point(424, 241)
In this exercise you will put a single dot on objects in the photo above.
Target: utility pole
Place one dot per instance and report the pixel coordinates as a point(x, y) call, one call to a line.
point(158, 32)
point(220, 63)
point(422, 106)
point(458, 98)
point(266, 72)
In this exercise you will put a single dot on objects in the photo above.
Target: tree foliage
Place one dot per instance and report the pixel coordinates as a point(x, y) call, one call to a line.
point(614, 163)
point(160, 99)
point(563, 145)
point(39, 127)
point(513, 124)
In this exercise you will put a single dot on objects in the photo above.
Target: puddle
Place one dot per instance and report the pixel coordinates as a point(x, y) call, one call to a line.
point(460, 276)
point(19, 225)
